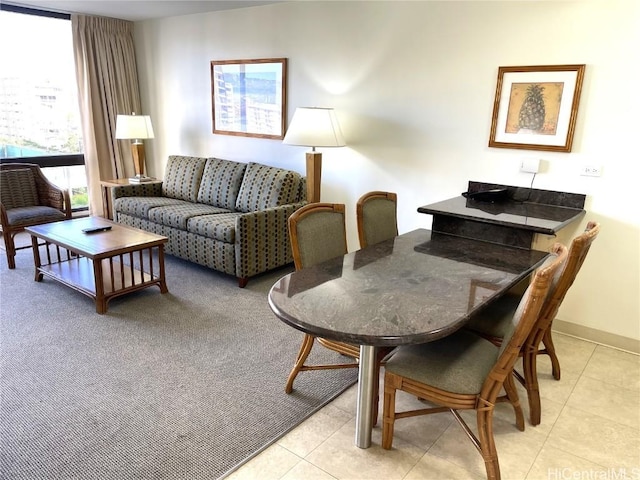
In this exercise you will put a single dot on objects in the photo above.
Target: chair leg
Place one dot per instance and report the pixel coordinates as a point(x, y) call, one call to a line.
point(487, 444)
point(530, 374)
point(305, 349)
point(10, 248)
point(388, 412)
point(551, 351)
point(514, 400)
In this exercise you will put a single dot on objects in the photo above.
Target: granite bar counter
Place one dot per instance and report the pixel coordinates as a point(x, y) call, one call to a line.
point(514, 220)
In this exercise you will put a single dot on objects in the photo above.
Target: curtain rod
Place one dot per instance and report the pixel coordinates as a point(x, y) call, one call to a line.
point(9, 7)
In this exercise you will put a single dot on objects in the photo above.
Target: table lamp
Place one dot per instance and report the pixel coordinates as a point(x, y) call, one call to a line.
point(314, 127)
point(135, 128)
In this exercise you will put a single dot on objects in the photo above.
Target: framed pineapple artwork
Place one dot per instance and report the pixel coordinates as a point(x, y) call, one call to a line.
point(536, 107)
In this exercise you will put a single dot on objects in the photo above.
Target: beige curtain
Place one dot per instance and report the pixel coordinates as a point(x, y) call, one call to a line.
point(107, 86)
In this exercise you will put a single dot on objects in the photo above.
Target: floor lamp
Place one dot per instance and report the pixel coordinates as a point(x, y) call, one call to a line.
point(135, 128)
point(314, 127)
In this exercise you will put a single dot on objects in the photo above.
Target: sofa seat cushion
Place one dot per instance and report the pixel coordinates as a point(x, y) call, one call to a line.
point(178, 214)
point(266, 187)
point(182, 177)
point(221, 182)
point(221, 227)
point(140, 206)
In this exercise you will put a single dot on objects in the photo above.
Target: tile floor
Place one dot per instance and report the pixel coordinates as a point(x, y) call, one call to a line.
point(590, 430)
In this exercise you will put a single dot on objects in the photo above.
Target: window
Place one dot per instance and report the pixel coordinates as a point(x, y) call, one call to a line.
point(39, 113)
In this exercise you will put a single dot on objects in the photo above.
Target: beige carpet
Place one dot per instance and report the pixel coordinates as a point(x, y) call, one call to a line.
point(186, 385)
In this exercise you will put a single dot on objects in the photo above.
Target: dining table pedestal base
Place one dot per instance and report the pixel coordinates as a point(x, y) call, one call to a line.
point(364, 411)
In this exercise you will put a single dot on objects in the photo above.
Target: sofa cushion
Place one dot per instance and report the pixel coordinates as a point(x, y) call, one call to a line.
point(266, 187)
point(220, 227)
point(178, 214)
point(182, 177)
point(18, 188)
point(140, 206)
point(221, 181)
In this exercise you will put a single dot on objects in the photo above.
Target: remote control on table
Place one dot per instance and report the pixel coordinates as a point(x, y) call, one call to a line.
point(96, 229)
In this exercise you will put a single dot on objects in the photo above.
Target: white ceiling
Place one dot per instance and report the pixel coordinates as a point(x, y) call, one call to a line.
point(136, 10)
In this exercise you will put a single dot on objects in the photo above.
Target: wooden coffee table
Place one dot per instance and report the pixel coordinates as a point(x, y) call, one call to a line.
point(101, 265)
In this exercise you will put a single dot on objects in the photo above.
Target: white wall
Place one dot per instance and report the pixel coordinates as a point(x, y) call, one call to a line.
point(413, 84)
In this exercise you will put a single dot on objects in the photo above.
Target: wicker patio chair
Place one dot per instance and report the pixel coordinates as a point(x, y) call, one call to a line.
point(27, 198)
point(318, 233)
point(467, 372)
point(376, 214)
point(493, 322)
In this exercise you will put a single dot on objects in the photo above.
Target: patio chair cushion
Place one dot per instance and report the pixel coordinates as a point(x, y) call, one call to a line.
point(25, 216)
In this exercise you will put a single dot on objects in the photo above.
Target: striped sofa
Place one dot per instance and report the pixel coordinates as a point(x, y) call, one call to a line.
point(225, 215)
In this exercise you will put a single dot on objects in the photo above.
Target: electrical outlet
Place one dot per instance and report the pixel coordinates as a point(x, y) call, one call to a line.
point(591, 171)
point(530, 165)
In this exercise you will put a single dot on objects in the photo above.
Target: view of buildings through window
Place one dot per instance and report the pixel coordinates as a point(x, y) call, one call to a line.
point(39, 113)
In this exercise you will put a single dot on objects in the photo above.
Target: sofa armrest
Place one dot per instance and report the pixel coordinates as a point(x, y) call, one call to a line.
point(137, 190)
point(262, 240)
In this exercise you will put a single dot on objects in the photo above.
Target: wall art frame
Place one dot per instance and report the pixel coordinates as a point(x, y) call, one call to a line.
point(536, 107)
point(249, 97)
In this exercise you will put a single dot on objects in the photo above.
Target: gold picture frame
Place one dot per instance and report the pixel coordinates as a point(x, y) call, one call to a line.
point(249, 97)
point(536, 107)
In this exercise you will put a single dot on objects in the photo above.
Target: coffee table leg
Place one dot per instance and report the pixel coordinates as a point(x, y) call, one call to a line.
point(163, 282)
point(36, 258)
point(364, 411)
point(101, 303)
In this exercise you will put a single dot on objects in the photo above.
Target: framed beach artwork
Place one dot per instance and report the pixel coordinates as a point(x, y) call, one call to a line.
point(536, 107)
point(249, 97)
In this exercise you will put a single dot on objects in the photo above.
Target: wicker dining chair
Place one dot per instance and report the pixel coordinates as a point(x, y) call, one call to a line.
point(318, 233)
point(493, 322)
point(464, 371)
point(376, 215)
point(27, 198)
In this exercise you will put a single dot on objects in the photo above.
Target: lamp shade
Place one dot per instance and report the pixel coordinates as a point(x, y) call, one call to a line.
point(314, 127)
point(133, 127)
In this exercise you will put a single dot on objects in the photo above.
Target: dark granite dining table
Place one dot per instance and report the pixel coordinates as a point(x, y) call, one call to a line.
point(415, 288)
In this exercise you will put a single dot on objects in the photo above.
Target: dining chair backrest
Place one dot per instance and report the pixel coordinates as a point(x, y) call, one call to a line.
point(493, 323)
point(318, 233)
point(463, 371)
point(577, 253)
point(376, 214)
point(527, 313)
